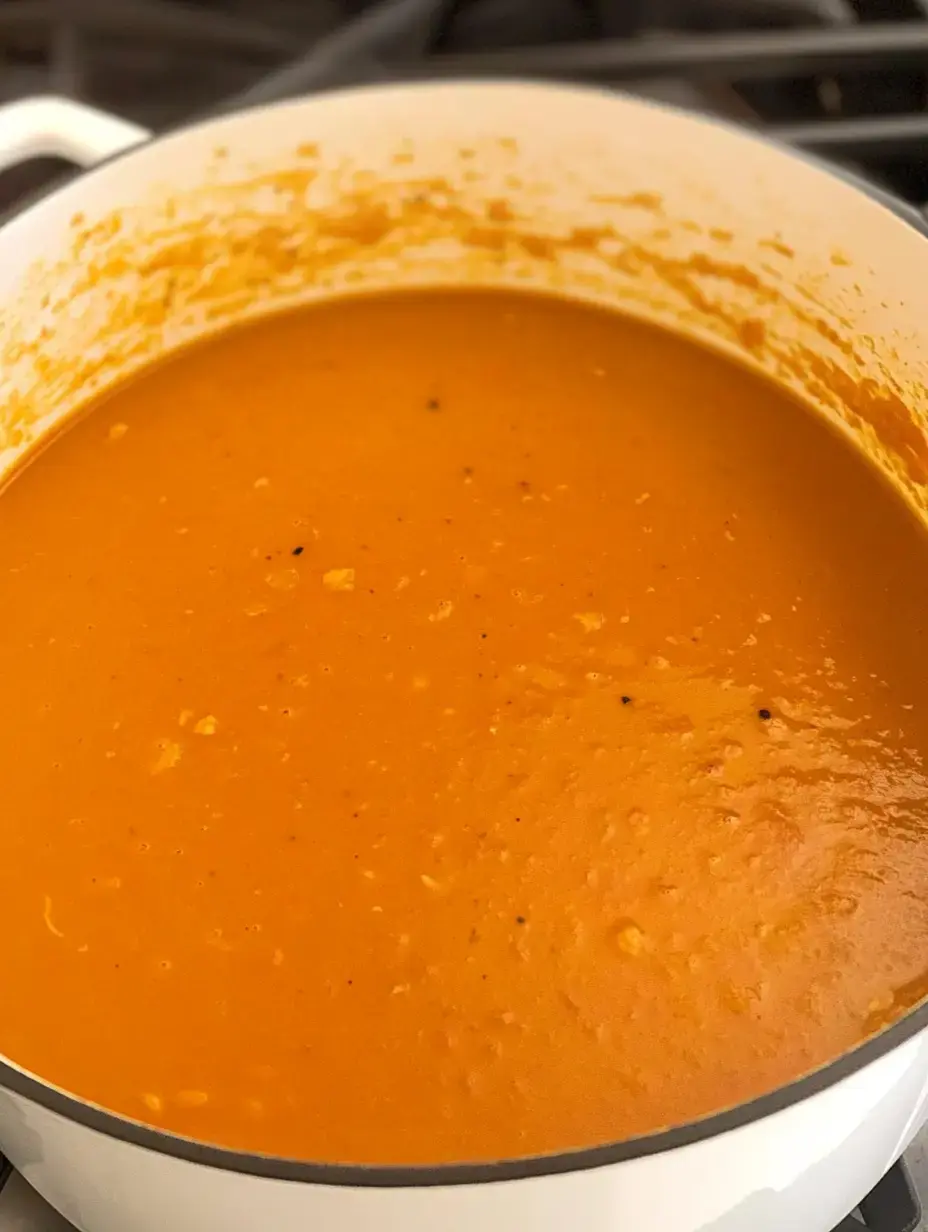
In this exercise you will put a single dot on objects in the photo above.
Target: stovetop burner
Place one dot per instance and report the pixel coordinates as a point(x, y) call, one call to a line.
point(847, 79)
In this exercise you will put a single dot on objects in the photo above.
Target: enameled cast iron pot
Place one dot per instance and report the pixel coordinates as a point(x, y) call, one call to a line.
point(595, 195)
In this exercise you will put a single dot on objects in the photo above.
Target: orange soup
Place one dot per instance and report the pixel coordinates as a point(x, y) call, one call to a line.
point(451, 726)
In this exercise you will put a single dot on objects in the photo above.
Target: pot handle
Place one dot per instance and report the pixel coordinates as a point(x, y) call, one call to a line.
point(48, 125)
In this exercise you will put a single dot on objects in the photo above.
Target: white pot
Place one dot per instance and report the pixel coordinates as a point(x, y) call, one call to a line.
point(687, 221)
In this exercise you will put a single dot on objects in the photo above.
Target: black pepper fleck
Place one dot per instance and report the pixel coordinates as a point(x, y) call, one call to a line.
point(764, 713)
point(520, 919)
point(433, 405)
point(297, 551)
point(625, 699)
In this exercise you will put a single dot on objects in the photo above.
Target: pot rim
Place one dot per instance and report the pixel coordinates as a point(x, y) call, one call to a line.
point(411, 1176)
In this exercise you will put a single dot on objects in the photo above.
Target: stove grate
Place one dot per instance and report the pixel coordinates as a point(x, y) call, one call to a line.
point(891, 1206)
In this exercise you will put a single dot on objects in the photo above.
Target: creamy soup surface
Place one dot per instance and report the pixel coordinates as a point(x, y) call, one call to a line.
point(452, 726)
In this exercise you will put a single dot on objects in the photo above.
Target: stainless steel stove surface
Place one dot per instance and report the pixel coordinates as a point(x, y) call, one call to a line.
point(842, 79)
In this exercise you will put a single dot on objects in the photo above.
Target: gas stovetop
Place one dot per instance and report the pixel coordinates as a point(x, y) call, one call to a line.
point(842, 79)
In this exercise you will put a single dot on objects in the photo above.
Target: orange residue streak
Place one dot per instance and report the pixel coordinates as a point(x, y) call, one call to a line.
point(389, 774)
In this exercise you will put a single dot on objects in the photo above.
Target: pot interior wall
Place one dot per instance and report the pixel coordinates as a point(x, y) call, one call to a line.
point(576, 191)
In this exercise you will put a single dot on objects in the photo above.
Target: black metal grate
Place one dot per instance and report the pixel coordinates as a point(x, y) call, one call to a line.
point(892, 1206)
